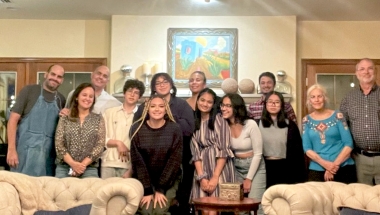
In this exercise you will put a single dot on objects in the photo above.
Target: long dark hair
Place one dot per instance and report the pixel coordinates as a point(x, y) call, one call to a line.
point(74, 112)
point(165, 76)
point(238, 108)
point(213, 111)
point(266, 118)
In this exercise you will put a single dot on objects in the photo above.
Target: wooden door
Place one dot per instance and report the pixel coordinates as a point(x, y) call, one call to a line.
point(12, 78)
point(337, 75)
point(15, 73)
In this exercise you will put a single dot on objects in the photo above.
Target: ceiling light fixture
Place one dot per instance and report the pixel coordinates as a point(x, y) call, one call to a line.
point(207, 0)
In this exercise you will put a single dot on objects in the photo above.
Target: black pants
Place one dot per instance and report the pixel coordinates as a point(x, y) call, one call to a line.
point(276, 172)
point(345, 174)
point(186, 184)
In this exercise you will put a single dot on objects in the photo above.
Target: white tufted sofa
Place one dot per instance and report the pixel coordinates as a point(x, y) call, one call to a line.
point(22, 194)
point(320, 198)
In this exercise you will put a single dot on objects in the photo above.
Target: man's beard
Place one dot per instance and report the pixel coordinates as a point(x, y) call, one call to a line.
point(51, 88)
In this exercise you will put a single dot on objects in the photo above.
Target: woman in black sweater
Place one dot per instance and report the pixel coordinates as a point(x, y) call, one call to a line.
point(156, 155)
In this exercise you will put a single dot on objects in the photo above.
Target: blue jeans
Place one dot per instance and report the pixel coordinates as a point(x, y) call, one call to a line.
point(259, 179)
point(62, 171)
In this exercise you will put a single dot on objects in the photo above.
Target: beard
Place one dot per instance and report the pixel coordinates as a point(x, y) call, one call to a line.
point(51, 87)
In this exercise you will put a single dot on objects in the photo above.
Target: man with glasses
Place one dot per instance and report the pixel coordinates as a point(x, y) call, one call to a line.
point(362, 111)
point(267, 82)
point(118, 120)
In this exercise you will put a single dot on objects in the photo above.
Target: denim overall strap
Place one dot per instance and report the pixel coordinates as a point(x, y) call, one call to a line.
point(35, 139)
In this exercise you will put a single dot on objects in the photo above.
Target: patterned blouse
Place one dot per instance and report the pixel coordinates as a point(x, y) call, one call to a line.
point(80, 141)
point(327, 138)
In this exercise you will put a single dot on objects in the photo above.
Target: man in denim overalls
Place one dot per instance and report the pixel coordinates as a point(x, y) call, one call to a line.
point(32, 123)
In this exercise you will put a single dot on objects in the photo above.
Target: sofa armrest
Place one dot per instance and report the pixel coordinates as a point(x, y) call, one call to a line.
point(9, 200)
point(121, 197)
point(306, 198)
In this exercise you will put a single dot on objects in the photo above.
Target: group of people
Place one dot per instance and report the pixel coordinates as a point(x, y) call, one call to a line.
point(180, 149)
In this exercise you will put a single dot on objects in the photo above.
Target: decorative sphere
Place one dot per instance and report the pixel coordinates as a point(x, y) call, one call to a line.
point(246, 86)
point(229, 85)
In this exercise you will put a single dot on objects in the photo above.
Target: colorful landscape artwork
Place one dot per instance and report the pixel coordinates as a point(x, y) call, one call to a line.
point(212, 51)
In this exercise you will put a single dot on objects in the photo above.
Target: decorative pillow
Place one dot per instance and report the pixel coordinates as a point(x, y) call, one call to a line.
point(79, 210)
point(351, 211)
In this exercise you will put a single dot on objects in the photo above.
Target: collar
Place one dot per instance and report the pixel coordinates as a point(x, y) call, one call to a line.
point(374, 88)
point(262, 99)
point(121, 108)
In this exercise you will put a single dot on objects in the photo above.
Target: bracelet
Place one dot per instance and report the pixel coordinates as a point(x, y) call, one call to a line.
point(200, 177)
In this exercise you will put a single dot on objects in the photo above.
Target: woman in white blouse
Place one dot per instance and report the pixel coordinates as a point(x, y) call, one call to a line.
point(247, 145)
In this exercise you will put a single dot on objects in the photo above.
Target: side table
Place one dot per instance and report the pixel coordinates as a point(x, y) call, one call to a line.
point(216, 204)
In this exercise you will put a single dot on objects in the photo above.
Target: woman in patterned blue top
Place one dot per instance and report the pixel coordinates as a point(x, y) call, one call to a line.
point(327, 140)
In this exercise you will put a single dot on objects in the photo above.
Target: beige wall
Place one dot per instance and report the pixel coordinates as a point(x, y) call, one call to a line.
point(335, 40)
point(54, 38)
point(265, 43)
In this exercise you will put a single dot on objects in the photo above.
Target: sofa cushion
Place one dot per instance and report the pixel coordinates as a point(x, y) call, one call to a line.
point(352, 211)
point(79, 210)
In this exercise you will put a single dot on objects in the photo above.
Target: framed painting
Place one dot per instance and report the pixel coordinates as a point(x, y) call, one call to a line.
point(210, 50)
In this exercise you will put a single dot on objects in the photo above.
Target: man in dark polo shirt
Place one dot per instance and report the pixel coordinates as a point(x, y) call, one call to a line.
point(362, 111)
point(31, 126)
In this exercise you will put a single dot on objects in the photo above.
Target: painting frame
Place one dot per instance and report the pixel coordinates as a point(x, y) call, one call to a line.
point(213, 51)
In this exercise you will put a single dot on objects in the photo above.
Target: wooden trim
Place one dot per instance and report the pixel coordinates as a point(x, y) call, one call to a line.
point(313, 66)
point(30, 66)
point(54, 60)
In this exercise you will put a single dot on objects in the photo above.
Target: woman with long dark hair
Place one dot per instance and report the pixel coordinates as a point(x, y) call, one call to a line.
point(210, 147)
point(247, 145)
point(283, 153)
point(80, 136)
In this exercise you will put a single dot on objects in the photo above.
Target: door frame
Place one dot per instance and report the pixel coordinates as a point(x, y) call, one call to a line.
point(312, 67)
point(30, 66)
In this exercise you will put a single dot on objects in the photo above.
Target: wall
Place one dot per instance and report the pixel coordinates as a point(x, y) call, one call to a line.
point(54, 38)
point(265, 43)
point(335, 40)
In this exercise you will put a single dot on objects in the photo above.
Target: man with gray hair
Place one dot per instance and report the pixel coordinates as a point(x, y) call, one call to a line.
point(362, 111)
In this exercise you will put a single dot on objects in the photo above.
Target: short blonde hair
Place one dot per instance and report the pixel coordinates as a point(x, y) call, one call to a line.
point(324, 93)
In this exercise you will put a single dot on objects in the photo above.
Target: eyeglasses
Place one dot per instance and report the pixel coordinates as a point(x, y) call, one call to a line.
point(162, 83)
point(225, 105)
point(133, 92)
point(275, 103)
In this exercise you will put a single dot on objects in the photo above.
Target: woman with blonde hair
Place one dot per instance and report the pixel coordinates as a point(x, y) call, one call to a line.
point(163, 86)
point(156, 155)
point(327, 140)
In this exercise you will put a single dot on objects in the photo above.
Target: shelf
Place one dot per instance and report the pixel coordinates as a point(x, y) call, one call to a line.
point(248, 98)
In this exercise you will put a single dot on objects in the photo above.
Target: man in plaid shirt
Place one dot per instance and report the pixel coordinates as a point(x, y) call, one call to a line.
point(267, 82)
point(361, 107)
